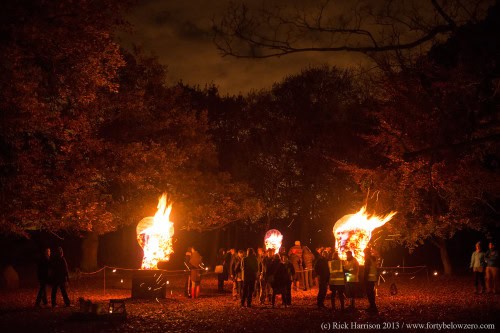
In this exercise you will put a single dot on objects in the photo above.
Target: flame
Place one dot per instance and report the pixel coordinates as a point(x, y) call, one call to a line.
point(352, 232)
point(154, 235)
point(273, 239)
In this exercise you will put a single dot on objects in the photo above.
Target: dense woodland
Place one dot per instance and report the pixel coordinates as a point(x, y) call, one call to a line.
point(91, 134)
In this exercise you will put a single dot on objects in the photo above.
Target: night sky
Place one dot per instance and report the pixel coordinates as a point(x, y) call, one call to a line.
point(179, 34)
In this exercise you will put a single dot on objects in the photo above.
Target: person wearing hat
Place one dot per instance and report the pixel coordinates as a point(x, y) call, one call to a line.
point(492, 264)
point(477, 263)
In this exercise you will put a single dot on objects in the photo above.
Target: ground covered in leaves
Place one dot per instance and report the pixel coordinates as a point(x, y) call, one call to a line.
point(419, 300)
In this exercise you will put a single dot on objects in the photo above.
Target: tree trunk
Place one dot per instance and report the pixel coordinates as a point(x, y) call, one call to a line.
point(90, 245)
point(445, 258)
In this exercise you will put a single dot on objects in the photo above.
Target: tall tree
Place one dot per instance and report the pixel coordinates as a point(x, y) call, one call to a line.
point(55, 59)
point(438, 130)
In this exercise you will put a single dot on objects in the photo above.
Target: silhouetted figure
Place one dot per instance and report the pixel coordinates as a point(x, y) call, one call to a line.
point(323, 273)
point(249, 271)
point(60, 276)
point(43, 273)
point(278, 279)
point(492, 267)
point(289, 279)
point(221, 276)
point(187, 282)
point(370, 277)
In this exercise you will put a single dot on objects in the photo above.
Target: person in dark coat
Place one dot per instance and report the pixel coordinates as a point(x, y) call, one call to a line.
point(289, 279)
point(279, 279)
point(323, 271)
point(43, 272)
point(221, 277)
point(60, 276)
point(260, 256)
point(265, 289)
point(370, 278)
point(249, 271)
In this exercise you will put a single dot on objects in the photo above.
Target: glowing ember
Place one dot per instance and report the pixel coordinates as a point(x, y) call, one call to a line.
point(272, 240)
point(354, 231)
point(154, 235)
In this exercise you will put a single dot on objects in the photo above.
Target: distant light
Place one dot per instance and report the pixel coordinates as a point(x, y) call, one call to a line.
point(168, 282)
point(206, 268)
point(114, 270)
point(435, 273)
point(121, 281)
point(384, 272)
point(397, 273)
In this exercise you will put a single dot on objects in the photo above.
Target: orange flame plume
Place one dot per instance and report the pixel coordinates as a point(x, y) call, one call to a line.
point(273, 239)
point(154, 235)
point(352, 232)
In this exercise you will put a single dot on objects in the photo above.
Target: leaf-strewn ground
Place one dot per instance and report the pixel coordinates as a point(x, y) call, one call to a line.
point(436, 300)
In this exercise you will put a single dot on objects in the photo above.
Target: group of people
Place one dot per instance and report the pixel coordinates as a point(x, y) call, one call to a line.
point(52, 270)
point(485, 266)
point(265, 274)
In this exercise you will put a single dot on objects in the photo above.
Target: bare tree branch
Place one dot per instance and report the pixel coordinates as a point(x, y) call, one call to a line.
point(273, 31)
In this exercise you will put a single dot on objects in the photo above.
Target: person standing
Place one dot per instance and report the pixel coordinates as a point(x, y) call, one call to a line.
point(260, 257)
point(370, 277)
point(290, 273)
point(195, 264)
point(351, 269)
point(221, 257)
point(295, 256)
point(337, 280)
point(477, 264)
point(237, 276)
point(266, 290)
point(323, 273)
point(249, 271)
point(187, 282)
point(308, 262)
point(492, 264)
point(60, 276)
point(43, 273)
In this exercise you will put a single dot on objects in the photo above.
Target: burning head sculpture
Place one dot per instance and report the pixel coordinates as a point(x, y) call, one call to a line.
point(272, 240)
point(154, 234)
point(352, 232)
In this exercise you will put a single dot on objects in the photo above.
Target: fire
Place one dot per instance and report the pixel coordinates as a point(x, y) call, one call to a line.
point(154, 235)
point(354, 231)
point(273, 239)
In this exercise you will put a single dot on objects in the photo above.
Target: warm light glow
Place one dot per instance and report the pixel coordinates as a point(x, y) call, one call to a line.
point(353, 232)
point(435, 273)
point(154, 235)
point(272, 240)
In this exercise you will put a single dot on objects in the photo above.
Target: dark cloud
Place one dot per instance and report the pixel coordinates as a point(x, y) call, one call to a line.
point(179, 34)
